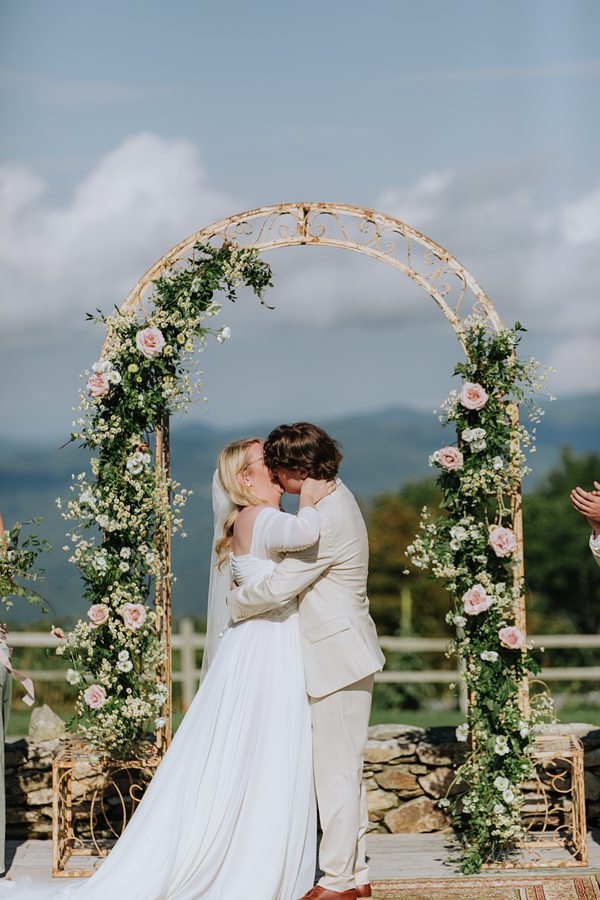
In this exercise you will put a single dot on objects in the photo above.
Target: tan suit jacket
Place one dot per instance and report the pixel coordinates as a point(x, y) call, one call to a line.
point(339, 640)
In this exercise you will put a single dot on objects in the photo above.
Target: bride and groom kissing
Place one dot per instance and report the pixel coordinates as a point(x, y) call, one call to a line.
point(279, 723)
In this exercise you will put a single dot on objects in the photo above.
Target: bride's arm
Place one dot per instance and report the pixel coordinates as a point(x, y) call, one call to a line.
point(285, 532)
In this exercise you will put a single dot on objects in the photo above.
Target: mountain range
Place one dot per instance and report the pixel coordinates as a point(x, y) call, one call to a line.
point(382, 450)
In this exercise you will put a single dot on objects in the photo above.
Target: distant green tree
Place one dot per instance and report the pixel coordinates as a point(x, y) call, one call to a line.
point(403, 603)
point(560, 572)
point(562, 579)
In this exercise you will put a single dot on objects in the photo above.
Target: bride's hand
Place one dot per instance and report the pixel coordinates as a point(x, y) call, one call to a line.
point(314, 489)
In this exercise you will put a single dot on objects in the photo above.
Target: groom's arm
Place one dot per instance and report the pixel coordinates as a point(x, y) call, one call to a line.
point(289, 578)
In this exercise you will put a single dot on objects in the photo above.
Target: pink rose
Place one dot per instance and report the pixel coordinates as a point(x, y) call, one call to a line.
point(503, 541)
point(449, 458)
point(476, 601)
point(98, 614)
point(150, 342)
point(511, 638)
point(98, 384)
point(95, 696)
point(134, 615)
point(472, 396)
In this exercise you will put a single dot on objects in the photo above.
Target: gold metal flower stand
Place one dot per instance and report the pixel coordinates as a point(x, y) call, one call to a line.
point(554, 808)
point(93, 800)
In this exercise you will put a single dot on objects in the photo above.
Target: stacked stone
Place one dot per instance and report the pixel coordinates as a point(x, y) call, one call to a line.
point(407, 770)
point(29, 788)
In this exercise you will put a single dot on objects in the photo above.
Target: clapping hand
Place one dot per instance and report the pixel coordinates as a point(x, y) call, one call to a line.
point(587, 503)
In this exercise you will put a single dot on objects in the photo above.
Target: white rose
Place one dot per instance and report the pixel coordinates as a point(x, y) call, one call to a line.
point(501, 783)
point(460, 621)
point(125, 665)
point(72, 676)
point(489, 655)
point(123, 655)
point(508, 795)
point(224, 334)
point(102, 366)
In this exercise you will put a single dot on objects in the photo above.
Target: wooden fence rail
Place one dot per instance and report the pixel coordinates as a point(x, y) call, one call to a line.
point(189, 642)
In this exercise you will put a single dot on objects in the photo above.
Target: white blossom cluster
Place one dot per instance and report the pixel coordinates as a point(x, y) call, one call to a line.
point(118, 512)
point(477, 559)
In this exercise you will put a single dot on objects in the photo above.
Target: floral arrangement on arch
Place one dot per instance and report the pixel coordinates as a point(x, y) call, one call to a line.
point(474, 548)
point(119, 509)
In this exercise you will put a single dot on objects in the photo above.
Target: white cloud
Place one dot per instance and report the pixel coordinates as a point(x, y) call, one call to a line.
point(538, 265)
point(576, 364)
point(581, 220)
point(58, 262)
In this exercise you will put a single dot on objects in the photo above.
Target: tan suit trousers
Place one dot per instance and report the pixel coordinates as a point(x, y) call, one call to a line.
point(340, 723)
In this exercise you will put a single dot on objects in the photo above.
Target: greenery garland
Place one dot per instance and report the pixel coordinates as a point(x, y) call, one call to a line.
point(473, 548)
point(118, 511)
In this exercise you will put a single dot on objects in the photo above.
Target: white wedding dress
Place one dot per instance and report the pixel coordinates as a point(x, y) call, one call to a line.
point(231, 812)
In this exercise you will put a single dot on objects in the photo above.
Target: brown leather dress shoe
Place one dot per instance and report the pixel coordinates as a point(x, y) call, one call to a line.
point(321, 893)
point(363, 890)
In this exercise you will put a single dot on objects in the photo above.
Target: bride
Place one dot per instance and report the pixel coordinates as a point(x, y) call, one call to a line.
point(230, 813)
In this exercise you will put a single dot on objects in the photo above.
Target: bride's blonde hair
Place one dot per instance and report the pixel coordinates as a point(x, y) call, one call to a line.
point(233, 459)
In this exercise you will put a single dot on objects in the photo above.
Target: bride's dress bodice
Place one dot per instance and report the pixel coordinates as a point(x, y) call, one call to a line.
point(248, 569)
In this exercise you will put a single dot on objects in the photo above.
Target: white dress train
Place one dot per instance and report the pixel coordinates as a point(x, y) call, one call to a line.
point(230, 813)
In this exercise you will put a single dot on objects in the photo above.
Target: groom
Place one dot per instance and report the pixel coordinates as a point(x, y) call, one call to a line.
point(340, 648)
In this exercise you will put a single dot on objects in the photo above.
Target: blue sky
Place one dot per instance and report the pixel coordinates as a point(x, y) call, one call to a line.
point(128, 125)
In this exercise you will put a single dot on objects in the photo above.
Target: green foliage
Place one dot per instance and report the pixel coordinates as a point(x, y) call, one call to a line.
point(559, 568)
point(145, 374)
point(19, 563)
point(473, 548)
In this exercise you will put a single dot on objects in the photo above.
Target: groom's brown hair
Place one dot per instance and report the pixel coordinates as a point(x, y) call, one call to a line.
point(303, 446)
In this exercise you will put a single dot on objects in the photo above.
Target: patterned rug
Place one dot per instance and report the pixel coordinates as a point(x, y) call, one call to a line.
point(552, 887)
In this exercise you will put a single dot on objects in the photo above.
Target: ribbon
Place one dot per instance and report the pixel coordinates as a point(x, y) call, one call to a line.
point(25, 680)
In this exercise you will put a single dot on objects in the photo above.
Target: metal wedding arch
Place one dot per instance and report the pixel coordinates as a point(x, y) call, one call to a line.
point(354, 228)
point(458, 295)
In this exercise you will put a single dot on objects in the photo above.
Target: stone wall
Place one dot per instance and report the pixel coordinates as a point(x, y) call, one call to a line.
point(407, 769)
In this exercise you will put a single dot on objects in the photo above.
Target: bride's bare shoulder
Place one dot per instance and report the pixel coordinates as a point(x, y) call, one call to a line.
point(247, 516)
point(243, 526)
